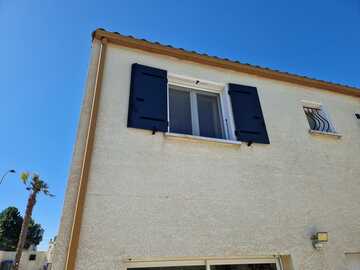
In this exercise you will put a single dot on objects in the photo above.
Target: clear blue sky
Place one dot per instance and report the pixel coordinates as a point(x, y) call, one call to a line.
point(45, 48)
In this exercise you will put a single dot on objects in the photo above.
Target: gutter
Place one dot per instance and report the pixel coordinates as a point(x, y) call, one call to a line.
point(85, 167)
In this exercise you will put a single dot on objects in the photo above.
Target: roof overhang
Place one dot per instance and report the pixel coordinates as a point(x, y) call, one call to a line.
point(157, 48)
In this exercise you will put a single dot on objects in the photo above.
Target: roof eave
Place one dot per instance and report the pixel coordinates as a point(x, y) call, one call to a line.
point(157, 48)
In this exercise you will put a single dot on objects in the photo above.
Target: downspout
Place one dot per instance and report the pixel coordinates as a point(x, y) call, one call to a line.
point(85, 167)
point(281, 263)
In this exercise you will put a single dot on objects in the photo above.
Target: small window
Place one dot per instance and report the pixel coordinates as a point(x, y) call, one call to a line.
point(352, 261)
point(195, 112)
point(32, 257)
point(318, 120)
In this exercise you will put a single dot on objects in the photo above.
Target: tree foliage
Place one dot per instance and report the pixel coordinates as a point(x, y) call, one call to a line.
point(10, 227)
point(35, 184)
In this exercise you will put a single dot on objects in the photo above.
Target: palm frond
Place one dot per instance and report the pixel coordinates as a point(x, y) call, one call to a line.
point(36, 184)
point(24, 177)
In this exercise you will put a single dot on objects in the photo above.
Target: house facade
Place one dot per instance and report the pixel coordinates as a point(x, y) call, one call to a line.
point(194, 162)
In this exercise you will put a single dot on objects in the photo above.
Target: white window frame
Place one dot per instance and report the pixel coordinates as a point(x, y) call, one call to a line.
point(226, 117)
point(319, 106)
point(207, 262)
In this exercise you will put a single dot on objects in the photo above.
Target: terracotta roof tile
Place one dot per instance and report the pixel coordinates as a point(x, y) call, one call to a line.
point(230, 60)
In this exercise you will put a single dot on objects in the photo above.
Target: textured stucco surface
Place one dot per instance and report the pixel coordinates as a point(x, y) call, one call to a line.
point(158, 196)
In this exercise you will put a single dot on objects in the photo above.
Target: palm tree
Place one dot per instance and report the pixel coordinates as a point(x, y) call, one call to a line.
point(35, 185)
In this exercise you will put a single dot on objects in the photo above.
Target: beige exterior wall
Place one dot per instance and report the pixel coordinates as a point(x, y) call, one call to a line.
point(155, 196)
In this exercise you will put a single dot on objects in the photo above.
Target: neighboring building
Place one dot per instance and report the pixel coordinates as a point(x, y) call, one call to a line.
point(50, 253)
point(192, 162)
point(30, 260)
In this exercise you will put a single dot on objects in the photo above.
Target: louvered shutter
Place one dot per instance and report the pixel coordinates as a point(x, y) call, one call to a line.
point(148, 98)
point(249, 121)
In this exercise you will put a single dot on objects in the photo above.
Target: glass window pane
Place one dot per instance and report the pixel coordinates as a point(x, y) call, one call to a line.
point(209, 116)
point(180, 111)
point(195, 267)
point(260, 266)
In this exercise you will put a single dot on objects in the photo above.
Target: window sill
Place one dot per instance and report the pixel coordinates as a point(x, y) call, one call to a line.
point(201, 139)
point(317, 132)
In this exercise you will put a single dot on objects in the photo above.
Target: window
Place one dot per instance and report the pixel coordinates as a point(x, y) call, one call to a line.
point(352, 261)
point(209, 264)
point(181, 106)
point(190, 267)
point(318, 119)
point(48, 266)
point(32, 257)
point(250, 266)
point(195, 112)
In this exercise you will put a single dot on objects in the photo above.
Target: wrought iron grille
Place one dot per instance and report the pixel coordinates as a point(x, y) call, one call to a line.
point(317, 120)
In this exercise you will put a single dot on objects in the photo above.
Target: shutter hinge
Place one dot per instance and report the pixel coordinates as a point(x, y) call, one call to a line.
point(237, 134)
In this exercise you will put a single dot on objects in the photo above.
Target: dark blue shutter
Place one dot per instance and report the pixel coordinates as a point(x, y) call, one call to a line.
point(148, 98)
point(248, 117)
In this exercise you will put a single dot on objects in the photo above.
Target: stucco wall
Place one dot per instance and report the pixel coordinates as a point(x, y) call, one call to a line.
point(151, 195)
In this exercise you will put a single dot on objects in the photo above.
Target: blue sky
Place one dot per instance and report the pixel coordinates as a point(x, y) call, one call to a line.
point(45, 47)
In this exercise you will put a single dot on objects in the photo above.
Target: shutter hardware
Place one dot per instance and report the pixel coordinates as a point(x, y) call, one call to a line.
point(154, 129)
point(237, 134)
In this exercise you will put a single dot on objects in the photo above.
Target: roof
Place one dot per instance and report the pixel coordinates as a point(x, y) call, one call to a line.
point(156, 47)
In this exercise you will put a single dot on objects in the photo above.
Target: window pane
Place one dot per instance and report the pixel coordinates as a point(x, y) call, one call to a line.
point(209, 116)
point(180, 111)
point(353, 261)
point(260, 266)
point(195, 267)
